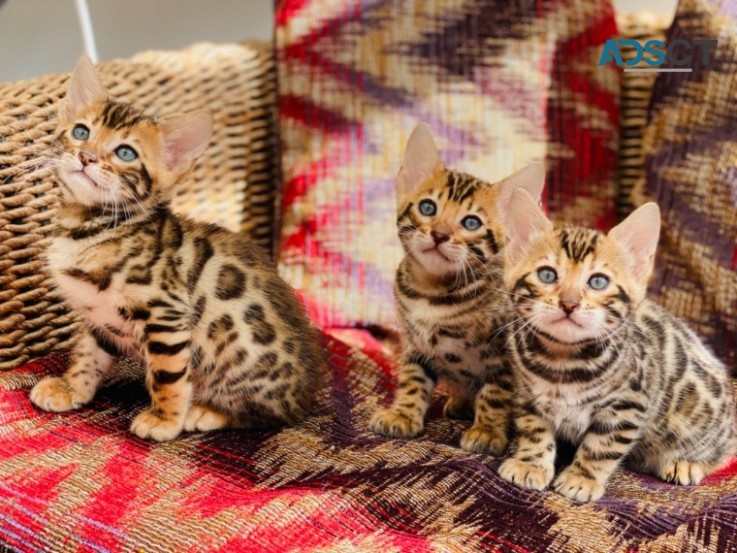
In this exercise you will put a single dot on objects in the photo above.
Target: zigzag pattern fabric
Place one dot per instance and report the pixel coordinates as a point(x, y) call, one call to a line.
point(80, 482)
point(500, 84)
point(690, 147)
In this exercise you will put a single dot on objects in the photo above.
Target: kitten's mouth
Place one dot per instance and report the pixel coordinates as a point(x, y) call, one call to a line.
point(78, 177)
point(566, 320)
point(437, 251)
point(85, 177)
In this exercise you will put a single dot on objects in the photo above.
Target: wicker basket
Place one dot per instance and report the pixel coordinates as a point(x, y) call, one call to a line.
point(232, 184)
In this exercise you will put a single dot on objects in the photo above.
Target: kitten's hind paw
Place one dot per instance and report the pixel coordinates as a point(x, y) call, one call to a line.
point(395, 424)
point(458, 408)
point(573, 485)
point(684, 473)
point(203, 419)
point(150, 425)
point(55, 394)
point(482, 439)
point(526, 475)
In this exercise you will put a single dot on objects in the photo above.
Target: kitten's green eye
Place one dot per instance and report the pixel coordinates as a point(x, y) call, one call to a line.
point(126, 153)
point(471, 222)
point(428, 208)
point(80, 132)
point(547, 275)
point(598, 281)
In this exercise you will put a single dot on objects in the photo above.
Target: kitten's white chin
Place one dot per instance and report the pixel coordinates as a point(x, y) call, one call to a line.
point(570, 330)
point(84, 189)
point(436, 262)
point(566, 330)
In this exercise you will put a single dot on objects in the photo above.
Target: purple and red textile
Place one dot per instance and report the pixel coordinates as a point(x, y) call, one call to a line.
point(82, 482)
point(690, 147)
point(501, 84)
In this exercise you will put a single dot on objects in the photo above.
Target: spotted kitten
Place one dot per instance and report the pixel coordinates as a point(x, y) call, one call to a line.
point(450, 298)
point(598, 364)
point(224, 341)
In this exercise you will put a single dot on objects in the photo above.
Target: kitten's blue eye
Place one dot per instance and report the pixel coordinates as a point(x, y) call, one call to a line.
point(598, 281)
point(126, 153)
point(471, 222)
point(428, 207)
point(547, 275)
point(80, 132)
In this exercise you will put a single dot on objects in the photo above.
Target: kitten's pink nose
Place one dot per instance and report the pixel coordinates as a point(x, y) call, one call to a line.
point(86, 157)
point(439, 237)
point(568, 306)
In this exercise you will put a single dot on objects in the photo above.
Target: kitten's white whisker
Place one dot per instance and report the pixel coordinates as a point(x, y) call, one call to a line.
point(526, 327)
point(37, 167)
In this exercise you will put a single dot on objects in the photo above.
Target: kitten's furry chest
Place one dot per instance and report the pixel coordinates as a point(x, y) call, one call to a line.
point(455, 357)
point(570, 389)
point(561, 407)
point(86, 277)
point(460, 347)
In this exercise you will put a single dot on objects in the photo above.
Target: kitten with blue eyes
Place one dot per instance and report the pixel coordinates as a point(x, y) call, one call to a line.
point(450, 299)
point(123, 152)
point(224, 341)
point(598, 364)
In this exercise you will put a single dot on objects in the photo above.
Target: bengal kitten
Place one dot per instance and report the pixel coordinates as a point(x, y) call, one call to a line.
point(601, 366)
point(450, 297)
point(224, 340)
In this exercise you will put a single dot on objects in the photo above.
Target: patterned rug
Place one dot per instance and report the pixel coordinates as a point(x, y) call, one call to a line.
point(82, 482)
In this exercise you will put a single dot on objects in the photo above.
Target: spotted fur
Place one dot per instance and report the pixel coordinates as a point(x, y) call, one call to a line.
point(224, 340)
point(603, 367)
point(449, 295)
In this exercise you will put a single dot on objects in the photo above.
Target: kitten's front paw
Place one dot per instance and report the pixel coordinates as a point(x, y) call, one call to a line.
point(684, 473)
point(395, 424)
point(483, 439)
point(150, 425)
point(573, 485)
point(526, 475)
point(55, 394)
point(203, 419)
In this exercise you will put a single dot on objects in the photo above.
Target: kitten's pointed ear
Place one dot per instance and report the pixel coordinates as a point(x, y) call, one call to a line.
point(639, 234)
point(84, 88)
point(530, 178)
point(185, 138)
point(523, 221)
point(421, 159)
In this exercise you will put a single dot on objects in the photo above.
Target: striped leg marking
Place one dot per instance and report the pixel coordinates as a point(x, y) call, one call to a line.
point(532, 464)
point(608, 440)
point(167, 366)
point(78, 385)
point(490, 430)
point(405, 418)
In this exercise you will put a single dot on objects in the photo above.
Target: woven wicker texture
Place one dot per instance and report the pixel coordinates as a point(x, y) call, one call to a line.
point(500, 84)
point(635, 97)
point(690, 147)
point(232, 184)
point(81, 482)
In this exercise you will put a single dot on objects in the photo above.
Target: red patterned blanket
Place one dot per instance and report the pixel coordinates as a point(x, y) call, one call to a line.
point(82, 482)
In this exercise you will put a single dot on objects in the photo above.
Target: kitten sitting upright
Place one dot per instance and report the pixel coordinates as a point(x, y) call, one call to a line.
point(598, 364)
point(450, 296)
point(224, 341)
